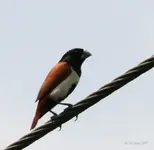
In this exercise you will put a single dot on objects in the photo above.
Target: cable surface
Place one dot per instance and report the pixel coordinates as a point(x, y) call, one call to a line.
point(82, 105)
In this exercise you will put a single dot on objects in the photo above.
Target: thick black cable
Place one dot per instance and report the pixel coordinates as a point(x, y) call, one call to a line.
point(82, 105)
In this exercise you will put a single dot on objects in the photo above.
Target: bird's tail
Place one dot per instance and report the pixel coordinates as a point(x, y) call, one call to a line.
point(43, 107)
point(35, 120)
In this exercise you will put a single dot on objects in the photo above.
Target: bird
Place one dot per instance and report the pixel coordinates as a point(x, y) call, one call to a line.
point(60, 82)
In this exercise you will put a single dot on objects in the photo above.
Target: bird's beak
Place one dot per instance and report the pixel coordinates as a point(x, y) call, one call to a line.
point(85, 54)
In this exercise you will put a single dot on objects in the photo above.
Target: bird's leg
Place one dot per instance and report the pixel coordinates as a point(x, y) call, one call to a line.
point(54, 114)
point(54, 117)
point(76, 118)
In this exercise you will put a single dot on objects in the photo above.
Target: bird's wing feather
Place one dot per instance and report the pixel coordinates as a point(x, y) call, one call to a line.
point(59, 73)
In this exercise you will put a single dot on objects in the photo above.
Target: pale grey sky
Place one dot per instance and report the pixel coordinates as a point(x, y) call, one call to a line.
point(35, 34)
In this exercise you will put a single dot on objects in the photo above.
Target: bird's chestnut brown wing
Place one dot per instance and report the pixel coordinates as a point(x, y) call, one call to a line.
point(59, 73)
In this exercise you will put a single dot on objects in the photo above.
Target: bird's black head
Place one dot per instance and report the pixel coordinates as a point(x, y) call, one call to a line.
point(75, 57)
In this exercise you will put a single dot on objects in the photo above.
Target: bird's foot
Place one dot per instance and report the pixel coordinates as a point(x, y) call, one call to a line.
point(69, 107)
point(60, 127)
point(54, 117)
point(76, 118)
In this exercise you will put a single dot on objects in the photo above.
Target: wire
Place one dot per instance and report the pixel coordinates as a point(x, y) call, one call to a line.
point(82, 105)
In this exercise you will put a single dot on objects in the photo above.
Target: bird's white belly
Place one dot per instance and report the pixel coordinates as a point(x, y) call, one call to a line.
point(62, 89)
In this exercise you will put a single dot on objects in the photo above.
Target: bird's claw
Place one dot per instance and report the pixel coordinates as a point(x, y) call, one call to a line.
point(69, 107)
point(53, 117)
point(76, 118)
point(67, 104)
point(60, 127)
